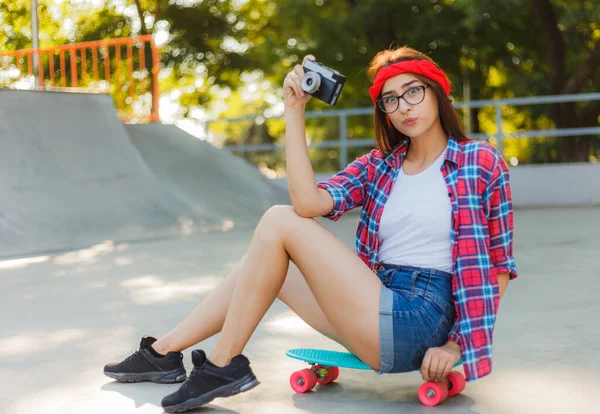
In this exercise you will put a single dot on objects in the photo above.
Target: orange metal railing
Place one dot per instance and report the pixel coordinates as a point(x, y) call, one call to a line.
point(130, 71)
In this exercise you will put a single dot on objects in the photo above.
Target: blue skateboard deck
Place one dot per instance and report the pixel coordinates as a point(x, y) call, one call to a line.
point(332, 358)
point(328, 358)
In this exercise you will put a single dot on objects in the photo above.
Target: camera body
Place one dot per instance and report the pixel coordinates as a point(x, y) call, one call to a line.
point(321, 82)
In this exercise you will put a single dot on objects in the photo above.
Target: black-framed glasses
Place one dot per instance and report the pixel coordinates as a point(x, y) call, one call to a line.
point(413, 96)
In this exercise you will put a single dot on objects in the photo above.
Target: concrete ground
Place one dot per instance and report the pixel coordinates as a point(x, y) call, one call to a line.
point(63, 317)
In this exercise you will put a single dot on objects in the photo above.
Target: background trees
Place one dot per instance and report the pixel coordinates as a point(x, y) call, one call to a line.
point(229, 57)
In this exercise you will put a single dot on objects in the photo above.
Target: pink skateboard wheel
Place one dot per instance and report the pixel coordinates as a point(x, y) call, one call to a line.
point(303, 381)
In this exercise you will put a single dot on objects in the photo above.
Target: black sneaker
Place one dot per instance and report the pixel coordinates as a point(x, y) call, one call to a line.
point(207, 382)
point(146, 364)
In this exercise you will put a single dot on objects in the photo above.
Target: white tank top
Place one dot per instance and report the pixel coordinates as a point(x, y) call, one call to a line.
point(415, 226)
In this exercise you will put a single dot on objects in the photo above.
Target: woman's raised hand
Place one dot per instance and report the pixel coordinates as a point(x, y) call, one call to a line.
point(293, 95)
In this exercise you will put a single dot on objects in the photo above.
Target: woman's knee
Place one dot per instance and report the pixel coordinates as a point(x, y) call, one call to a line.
point(279, 213)
point(276, 219)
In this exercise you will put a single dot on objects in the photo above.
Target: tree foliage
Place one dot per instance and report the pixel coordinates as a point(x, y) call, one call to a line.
point(229, 57)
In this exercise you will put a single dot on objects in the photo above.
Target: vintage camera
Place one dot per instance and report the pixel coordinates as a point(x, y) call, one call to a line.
point(322, 82)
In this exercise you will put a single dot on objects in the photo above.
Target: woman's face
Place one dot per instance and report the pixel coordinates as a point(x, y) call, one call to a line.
point(412, 120)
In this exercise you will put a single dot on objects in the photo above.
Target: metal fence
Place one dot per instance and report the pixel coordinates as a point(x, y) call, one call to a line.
point(343, 143)
point(94, 66)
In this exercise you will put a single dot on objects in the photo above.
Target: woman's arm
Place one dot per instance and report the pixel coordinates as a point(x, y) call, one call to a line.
point(308, 200)
point(330, 198)
point(497, 203)
point(498, 208)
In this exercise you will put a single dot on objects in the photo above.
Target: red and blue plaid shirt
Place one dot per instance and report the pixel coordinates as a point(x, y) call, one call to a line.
point(481, 233)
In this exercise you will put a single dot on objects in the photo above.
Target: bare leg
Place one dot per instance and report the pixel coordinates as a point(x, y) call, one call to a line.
point(327, 266)
point(208, 317)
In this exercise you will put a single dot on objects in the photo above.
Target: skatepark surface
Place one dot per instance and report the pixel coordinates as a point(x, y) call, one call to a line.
point(109, 239)
point(64, 316)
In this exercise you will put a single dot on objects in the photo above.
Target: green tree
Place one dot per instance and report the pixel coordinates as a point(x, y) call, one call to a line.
point(492, 49)
point(497, 47)
point(571, 51)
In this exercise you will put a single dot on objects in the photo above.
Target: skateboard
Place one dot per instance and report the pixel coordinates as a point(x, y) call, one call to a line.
point(324, 369)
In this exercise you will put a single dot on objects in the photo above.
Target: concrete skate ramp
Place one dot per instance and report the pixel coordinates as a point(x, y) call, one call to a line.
point(71, 177)
point(210, 178)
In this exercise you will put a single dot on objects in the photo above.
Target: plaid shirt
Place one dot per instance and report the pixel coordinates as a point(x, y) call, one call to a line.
point(481, 233)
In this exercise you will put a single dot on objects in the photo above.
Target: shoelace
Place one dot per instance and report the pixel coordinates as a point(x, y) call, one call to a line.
point(132, 355)
point(195, 372)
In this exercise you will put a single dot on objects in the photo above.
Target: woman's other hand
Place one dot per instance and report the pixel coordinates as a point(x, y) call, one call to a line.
point(439, 361)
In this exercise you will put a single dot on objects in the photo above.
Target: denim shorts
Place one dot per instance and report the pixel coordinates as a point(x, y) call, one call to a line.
point(416, 313)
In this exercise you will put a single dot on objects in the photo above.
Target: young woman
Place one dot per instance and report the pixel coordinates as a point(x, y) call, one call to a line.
point(434, 249)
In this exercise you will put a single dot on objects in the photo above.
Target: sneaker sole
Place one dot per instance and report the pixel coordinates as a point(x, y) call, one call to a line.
point(237, 387)
point(168, 377)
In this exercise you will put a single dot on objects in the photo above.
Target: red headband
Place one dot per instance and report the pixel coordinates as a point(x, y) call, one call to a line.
point(418, 67)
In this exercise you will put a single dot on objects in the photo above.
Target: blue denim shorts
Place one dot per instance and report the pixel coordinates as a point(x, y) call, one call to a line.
point(416, 313)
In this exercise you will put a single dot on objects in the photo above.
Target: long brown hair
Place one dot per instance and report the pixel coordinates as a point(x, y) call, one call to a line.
point(386, 136)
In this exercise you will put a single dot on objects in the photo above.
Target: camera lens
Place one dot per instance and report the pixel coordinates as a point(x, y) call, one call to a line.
point(311, 82)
